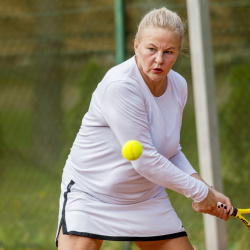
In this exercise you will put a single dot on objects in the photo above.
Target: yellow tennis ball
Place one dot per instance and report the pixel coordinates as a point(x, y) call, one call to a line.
point(132, 150)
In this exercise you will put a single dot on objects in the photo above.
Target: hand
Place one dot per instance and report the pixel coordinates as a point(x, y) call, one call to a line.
point(225, 208)
point(209, 205)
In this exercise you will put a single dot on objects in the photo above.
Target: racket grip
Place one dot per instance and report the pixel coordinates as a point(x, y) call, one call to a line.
point(233, 211)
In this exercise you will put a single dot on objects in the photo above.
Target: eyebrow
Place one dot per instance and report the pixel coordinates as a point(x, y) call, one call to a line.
point(151, 44)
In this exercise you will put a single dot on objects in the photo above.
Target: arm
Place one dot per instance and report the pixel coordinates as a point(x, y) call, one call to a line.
point(180, 161)
point(124, 110)
point(210, 203)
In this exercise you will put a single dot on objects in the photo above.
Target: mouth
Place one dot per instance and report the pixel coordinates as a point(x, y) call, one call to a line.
point(158, 70)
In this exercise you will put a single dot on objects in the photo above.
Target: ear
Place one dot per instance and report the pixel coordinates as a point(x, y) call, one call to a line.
point(135, 45)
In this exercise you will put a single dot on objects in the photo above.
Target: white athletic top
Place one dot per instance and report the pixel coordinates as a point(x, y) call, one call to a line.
point(123, 108)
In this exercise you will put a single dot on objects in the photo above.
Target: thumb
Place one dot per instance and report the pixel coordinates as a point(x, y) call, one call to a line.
point(194, 206)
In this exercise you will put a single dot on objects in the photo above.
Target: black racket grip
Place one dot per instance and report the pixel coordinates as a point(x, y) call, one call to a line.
point(234, 211)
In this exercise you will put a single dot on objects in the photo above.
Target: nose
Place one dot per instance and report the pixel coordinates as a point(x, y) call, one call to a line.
point(159, 58)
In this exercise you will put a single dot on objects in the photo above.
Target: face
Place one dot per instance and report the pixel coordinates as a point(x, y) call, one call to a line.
point(156, 52)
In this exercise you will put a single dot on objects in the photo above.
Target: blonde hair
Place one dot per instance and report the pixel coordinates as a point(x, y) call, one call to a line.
point(162, 18)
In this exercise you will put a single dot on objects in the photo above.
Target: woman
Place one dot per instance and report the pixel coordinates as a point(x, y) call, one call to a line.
point(104, 196)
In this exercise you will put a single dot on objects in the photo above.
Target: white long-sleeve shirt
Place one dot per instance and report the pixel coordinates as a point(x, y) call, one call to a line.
point(123, 108)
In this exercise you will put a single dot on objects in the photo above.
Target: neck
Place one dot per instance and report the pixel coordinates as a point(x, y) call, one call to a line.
point(158, 88)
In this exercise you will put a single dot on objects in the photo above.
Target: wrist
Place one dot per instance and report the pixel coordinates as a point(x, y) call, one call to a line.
point(210, 187)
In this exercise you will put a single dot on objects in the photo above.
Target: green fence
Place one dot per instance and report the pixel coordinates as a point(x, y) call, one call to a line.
point(52, 56)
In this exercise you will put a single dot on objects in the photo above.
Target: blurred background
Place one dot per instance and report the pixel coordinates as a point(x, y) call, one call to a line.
point(52, 56)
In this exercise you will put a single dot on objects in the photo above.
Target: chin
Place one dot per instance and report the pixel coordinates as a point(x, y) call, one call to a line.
point(157, 78)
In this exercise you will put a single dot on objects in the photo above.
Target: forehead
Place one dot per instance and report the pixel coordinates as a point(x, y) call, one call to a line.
point(159, 35)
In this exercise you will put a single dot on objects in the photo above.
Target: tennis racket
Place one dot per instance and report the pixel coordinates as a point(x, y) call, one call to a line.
point(237, 213)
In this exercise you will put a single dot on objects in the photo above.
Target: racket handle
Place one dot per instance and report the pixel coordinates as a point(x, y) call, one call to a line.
point(233, 211)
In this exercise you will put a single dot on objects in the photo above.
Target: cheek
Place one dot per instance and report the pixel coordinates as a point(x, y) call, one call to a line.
point(170, 62)
point(145, 59)
point(148, 62)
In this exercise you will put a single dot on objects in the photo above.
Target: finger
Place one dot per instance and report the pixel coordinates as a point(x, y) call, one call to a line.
point(194, 206)
point(223, 211)
point(225, 215)
point(228, 212)
point(219, 204)
point(227, 205)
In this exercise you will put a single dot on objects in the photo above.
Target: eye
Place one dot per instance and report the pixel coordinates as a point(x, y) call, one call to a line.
point(151, 49)
point(168, 52)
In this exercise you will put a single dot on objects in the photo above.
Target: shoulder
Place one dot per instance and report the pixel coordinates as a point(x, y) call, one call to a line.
point(121, 71)
point(178, 81)
point(122, 90)
point(122, 80)
point(177, 78)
